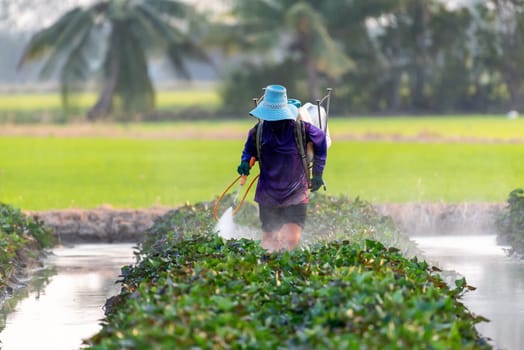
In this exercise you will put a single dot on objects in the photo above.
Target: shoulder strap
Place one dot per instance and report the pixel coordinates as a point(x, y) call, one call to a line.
point(258, 141)
point(300, 139)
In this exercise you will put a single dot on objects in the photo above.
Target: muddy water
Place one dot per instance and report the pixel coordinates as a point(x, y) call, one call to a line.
point(66, 306)
point(499, 281)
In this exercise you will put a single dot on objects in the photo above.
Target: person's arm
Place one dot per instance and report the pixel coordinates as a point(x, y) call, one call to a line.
point(248, 152)
point(250, 148)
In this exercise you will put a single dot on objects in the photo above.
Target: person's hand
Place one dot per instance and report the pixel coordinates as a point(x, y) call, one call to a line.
point(243, 168)
point(316, 183)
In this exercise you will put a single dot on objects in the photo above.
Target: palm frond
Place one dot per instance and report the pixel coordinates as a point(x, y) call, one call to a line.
point(44, 40)
point(261, 24)
point(180, 48)
point(71, 37)
point(78, 66)
point(176, 9)
point(152, 23)
point(309, 25)
point(329, 58)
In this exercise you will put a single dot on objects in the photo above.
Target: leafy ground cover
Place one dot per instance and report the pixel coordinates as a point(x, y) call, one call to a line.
point(39, 173)
point(21, 241)
point(191, 289)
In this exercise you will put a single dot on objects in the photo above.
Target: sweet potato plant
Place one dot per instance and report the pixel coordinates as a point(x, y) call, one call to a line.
point(191, 289)
point(21, 240)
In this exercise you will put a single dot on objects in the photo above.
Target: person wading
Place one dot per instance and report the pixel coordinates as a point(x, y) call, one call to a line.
point(282, 188)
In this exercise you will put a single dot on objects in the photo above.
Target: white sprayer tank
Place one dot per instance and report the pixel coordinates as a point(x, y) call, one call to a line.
point(309, 113)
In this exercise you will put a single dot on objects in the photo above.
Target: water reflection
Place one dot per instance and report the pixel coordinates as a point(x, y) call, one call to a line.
point(70, 307)
point(38, 281)
point(499, 281)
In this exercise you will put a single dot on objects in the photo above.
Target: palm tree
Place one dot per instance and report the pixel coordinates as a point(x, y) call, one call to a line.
point(296, 26)
point(109, 41)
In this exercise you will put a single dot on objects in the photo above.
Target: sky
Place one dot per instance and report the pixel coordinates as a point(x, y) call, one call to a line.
point(31, 15)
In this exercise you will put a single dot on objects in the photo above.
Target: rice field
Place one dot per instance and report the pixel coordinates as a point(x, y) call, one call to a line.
point(136, 165)
point(50, 171)
point(205, 98)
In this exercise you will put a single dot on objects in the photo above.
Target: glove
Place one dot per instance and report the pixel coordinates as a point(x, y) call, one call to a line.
point(316, 182)
point(243, 168)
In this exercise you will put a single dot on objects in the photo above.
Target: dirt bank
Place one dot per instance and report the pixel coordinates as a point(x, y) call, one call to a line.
point(101, 225)
point(118, 225)
point(225, 131)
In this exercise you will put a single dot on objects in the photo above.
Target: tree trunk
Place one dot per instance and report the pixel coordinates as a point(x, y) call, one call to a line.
point(420, 31)
point(394, 97)
point(511, 40)
point(103, 105)
point(395, 72)
point(311, 71)
point(513, 83)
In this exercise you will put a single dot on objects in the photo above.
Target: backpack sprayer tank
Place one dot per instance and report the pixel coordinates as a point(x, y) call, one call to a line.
point(310, 113)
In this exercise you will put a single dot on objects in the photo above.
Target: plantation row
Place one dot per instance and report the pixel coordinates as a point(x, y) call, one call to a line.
point(343, 289)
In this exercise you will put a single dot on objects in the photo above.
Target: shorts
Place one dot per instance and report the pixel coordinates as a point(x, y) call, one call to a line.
point(272, 218)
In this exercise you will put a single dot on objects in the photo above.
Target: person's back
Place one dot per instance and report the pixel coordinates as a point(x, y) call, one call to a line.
point(282, 180)
point(282, 187)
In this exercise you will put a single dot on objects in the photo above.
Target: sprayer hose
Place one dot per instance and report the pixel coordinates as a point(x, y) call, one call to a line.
point(245, 195)
point(219, 200)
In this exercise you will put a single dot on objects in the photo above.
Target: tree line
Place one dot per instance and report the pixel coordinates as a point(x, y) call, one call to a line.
point(380, 56)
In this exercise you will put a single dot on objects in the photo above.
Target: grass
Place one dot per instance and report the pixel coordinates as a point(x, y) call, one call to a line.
point(205, 98)
point(449, 127)
point(30, 108)
point(54, 172)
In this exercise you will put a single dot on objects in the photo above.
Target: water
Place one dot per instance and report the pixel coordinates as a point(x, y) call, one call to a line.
point(69, 307)
point(227, 228)
point(499, 281)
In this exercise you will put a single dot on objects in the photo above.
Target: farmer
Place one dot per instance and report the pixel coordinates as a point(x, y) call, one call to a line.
point(282, 189)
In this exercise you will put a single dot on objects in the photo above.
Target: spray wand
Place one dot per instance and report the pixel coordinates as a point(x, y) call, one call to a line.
point(237, 205)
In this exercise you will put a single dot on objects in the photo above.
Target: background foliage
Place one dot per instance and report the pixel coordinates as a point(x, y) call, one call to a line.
point(510, 224)
point(384, 56)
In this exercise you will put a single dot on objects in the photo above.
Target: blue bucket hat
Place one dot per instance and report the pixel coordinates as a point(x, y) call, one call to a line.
point(294, 102)
point(275, 105)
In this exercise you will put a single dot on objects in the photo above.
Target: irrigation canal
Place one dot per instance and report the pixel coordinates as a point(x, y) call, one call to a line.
point(63, 304)
point(499, 281)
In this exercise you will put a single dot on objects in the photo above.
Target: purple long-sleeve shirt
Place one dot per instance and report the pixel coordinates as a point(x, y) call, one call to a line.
point(282, 180)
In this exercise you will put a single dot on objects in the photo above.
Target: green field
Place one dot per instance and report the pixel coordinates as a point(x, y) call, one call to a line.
point(205, 98)
point(451, 127)
point(55, 172)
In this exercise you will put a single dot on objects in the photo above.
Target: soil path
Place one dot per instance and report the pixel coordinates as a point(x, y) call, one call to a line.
point(186, 131)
